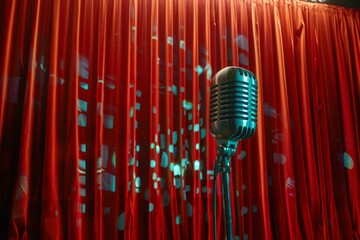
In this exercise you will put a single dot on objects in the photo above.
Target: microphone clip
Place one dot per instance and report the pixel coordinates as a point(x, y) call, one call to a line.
point(222, 164)
point(226, 151)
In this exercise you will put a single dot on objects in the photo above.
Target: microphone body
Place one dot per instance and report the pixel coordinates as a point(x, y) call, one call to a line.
point(233, 105)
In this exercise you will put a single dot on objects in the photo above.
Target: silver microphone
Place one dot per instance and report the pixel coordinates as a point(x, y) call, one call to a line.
point(233, 105)
point(233, 116)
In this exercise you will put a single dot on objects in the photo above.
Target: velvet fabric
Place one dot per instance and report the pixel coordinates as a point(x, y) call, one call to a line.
point(104, 108)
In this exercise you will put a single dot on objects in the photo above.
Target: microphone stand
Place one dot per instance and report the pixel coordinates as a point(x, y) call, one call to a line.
point(222, 165)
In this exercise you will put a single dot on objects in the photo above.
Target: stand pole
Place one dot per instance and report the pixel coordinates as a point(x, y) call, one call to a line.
point(227, 205)
point(222, 166)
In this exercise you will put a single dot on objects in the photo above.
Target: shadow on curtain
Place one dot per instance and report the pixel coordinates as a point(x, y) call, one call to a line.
point(104, 128)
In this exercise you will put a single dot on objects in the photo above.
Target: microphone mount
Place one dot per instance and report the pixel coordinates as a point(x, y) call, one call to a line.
point(222, 164)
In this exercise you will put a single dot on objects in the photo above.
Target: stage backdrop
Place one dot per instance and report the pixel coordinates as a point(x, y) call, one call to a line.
point(104, 108)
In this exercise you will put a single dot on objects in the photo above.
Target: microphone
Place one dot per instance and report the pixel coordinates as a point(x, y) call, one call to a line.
point(233, 105)
point(233, 116)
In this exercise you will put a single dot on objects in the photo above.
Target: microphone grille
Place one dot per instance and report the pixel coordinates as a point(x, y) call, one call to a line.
point(214, 92)
point(233, 103)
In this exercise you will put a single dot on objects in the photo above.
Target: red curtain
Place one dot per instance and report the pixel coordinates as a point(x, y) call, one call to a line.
point(104, 119)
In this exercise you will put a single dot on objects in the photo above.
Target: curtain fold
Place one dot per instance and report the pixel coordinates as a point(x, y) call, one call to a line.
point(104, 110)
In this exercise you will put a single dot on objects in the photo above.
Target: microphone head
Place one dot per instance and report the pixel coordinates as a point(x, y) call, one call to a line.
point(233, 105)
